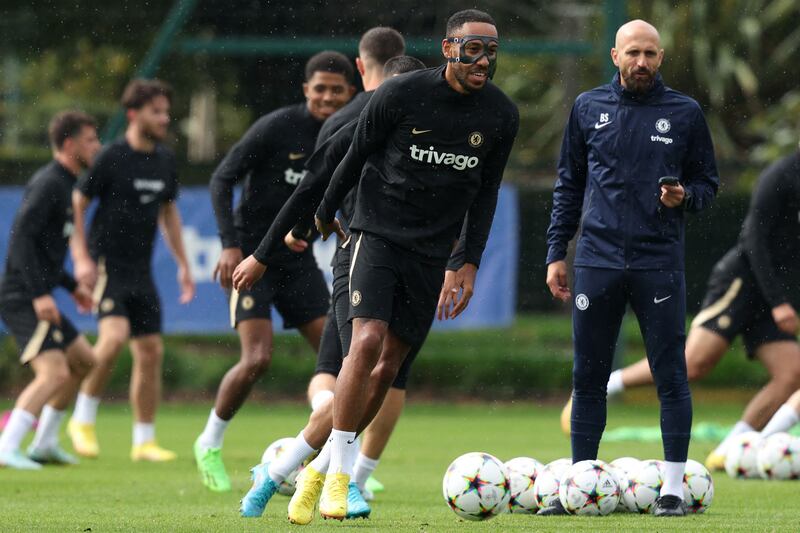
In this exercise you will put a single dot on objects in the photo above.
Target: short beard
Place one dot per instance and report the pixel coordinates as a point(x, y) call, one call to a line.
point(635, 85)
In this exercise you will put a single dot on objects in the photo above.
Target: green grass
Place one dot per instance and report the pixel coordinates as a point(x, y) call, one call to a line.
point(113, 494)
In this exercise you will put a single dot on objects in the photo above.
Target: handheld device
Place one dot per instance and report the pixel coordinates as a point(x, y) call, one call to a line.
point(668, 180)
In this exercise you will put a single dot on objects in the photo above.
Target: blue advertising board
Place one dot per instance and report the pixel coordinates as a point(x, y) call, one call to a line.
point(492, 305)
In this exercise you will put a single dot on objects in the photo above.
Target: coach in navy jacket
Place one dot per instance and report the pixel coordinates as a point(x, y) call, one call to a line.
point(621, 140)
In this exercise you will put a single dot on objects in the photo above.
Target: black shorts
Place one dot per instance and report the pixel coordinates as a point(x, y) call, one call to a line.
point(128, 293)
point(34, 336)
point(297, 289)
point(339, 333)
point(390, 284)
point(733, 305)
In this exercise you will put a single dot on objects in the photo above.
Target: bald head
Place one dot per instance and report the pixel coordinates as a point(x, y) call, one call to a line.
point(638, 30)
point(638, 54)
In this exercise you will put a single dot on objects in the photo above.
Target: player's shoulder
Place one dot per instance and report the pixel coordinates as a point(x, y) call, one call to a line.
point(676, 97)
point(46, 175)
point(165, 152)
point(502, 102)
point(601, 93)
point(411, 84)
point(286, 115)
point(787, 167)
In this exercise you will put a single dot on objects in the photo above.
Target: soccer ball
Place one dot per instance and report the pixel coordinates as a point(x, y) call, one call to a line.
point(741, 457)
point(274, 451)
point(545, 489)
point(698, 487)
point(622, 468)
point(589, 488)
point(779, 457)
point(644, 486)
point(522, 472)
point(475, 486)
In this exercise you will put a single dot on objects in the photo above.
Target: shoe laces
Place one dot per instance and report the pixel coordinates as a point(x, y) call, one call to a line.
point(307, 495)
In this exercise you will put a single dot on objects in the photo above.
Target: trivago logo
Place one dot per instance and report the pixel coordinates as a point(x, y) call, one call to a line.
point(458, 162)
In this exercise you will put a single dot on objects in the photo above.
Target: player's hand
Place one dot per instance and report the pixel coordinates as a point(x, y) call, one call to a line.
point(46, 309)
point(248, 273)
point(672, 195)
point(557, 280)
point(228, 259)
point(457, 290)
point(785, 317)
point(294, 244)
point(83, 298)
point(86, 272)
point(325, 230)
point(186, 284)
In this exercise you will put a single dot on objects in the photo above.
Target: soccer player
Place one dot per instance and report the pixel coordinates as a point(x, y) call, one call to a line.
point(58, 355)
point(267, 477)
point(750, 292)
point(135, 182)
point(430, 147)
point(636, 157)
point(269, 158)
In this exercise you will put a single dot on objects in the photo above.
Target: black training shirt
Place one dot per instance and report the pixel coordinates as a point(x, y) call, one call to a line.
point(131, 187)
point(269, 158)
point(424, 156)
point(40, 235)
point(770, 237)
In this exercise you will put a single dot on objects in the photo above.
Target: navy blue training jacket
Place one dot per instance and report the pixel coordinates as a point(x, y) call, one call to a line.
point(616, 146)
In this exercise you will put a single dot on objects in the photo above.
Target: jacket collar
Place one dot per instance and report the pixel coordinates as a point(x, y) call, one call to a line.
point(655, 91)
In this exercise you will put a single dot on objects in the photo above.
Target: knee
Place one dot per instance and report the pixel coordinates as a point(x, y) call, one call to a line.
point(257, 360)
point(367, 340)
point(108, 348)
point(696, 370)
point(385, 372)
point(57, 374)
point(150, 355)
point(789, 377)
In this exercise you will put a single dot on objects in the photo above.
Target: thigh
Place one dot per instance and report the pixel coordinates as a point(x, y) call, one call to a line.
point(762, 333)
point(34, 336)
point(780, 357)
point(144, 309)
point(329, 356)
point(254, 303)
point(415, 301)
point(373, 278)
point(302, 295)
point(659, 300)
point(597, 312)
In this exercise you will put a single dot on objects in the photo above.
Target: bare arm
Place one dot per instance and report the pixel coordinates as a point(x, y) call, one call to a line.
point(85, 269)
point(170, 221)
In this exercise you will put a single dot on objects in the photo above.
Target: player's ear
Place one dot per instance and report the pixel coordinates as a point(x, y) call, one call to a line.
point(446, 48)
point(615, 57)
point(360, 66)
point(305, 89)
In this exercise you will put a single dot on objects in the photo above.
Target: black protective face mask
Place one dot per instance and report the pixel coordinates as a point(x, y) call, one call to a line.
point(475, 47)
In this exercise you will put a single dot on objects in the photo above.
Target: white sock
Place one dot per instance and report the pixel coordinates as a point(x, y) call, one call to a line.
point(320, 399)
point(18, 425)
point(615, 384)
point(363, 469)
point(783, 420)
point(342, 458)
point(85, 409)
point(46, 437)
point(291, 458)
point(740, 427)
point(143, 433)
point(323, 460)
point(212, 435)
point(673, 479)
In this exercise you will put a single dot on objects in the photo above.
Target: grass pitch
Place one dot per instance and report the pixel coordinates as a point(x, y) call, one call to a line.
point(114, 494)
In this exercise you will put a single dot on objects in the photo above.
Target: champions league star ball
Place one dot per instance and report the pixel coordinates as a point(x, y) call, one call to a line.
point(589, 488)
point(274, 451)
point(644, 486)
point(622, 468)
point(779, 457)
point(475, 486)
point(698, 487)
point(741, 457)
point(545, 489)
point(522, 472)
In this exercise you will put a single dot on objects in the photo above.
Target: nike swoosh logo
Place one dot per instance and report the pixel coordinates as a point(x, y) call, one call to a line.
point(350, 441)
point(659, 300)
point(295, 156)
point(598, 126)
point(415, 131)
